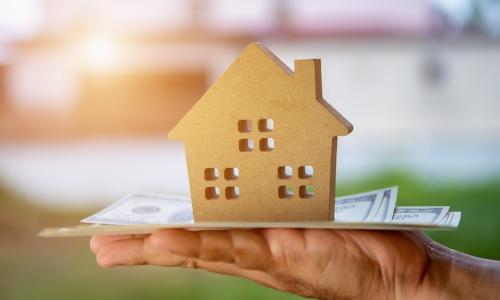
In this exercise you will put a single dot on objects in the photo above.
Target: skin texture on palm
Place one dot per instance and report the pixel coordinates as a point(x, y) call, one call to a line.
point(326, 264)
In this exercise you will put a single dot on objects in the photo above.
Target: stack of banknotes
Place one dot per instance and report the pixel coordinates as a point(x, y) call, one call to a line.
point(146, 212)
point(380, 207)
point(371, 207)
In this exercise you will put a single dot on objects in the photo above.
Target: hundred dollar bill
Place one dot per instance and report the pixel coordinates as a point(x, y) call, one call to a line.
point(419, 214)
point(373, 206)
point(452, 219)
point(145, 208)
point(146, 212)
point(152, 208)
point(370, 207)
point(386, 210)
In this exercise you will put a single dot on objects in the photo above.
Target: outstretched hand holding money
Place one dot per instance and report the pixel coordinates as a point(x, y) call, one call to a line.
point(326, 264)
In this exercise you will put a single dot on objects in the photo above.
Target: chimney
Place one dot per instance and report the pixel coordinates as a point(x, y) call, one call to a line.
point(307, 76)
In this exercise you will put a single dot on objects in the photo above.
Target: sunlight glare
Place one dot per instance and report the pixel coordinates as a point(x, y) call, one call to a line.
point(100, 52)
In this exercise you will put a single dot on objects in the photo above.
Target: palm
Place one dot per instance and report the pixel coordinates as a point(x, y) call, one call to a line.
point(308, 262)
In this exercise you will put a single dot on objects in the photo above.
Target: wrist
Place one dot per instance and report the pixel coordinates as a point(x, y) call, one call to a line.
point(454, 275)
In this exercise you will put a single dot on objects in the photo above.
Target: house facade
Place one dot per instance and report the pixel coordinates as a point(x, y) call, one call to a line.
point(261, 143)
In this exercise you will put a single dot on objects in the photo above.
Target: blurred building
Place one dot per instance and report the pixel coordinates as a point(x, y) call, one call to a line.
point(122, 67)
point(418, 79)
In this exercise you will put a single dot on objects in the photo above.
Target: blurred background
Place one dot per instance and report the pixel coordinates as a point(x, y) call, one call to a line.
point(90, 89)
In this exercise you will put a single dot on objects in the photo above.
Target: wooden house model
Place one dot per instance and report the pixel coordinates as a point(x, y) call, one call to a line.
point(261, 143)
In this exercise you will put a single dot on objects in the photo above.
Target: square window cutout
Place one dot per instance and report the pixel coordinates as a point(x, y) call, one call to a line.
point(306, 191)
point(246, 145)
point(285, 172)
point(306, 171)
point(211, 174)
point(266, 144)
point(244, 125)
point(231, 173)
point(285, 191)
point(232, 192)
point(266, 125)
point(212, 192)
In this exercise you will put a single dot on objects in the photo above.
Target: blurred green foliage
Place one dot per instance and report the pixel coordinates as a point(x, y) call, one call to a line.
point(37, 268)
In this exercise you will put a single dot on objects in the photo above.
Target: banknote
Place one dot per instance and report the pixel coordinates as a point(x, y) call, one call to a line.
point(452, 219)
point(152, 208)
point(146, 212)
point(370, 207)
point(145, 208)
point(386, 210)
point(373, 206)
point(420, 214)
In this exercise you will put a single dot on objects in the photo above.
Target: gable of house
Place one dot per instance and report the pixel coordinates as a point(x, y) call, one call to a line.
point(258, 81)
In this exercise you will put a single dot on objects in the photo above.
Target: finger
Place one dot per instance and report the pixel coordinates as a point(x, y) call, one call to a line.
point(140, 251)
point(281, 282)
point(98, 240)
point(123, 252)
point(285, 243)
point(137, 251)
point(246, 249)
point(261, 277)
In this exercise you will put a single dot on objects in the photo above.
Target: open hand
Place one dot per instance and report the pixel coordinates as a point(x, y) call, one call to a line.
point(328, 264)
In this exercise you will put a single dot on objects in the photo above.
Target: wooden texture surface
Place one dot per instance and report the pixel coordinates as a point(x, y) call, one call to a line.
point(257, 87)
point(89, 230)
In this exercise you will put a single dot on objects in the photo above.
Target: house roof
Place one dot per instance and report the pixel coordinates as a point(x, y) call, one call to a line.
point(257, 58)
